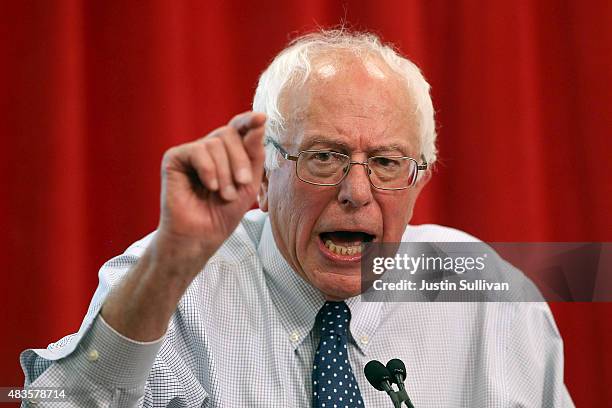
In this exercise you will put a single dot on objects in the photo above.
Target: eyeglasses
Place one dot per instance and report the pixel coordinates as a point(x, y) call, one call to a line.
point(329, 168)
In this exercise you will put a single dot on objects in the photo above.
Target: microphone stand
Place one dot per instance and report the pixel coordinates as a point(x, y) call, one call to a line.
point(397, 397)
point(402, 395)
point(397, 402)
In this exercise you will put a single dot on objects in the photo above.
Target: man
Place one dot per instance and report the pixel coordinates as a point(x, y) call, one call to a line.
point(219, 308)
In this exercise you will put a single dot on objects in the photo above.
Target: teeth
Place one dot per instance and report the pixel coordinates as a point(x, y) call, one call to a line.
point(343, 250)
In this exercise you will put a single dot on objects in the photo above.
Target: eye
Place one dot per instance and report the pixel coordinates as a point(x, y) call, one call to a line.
point(322, 156)
point(385, 162)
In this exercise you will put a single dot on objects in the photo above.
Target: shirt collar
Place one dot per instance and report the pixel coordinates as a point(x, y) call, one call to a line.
point(365, 318)
point(297, 302)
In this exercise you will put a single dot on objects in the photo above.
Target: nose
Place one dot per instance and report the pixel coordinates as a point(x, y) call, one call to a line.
point(355, 190)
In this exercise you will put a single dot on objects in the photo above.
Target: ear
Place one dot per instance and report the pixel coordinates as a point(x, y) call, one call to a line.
point(262, 194)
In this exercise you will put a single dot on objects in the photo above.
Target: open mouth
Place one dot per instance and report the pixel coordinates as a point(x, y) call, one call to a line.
point(347, 243)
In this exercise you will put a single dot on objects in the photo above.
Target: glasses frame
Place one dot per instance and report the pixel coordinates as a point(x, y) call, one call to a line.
point(419, 167)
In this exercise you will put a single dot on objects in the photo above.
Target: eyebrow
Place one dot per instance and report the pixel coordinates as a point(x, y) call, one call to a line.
point(328, 143)
point(342, 147)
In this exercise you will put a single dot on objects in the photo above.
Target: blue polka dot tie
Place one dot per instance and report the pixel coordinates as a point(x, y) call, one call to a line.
point(334, 384)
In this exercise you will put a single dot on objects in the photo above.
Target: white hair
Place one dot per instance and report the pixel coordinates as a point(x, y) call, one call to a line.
point(293, 65)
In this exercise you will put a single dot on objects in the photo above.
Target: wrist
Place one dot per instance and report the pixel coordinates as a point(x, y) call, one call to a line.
point(178, 254)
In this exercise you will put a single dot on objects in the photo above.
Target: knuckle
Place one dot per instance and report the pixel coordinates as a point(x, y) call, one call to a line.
point(170, 153)
point(218, 132)
point(214, 143)
point(237, 119)
point(200, 147)
point(168, 157)
point(224, 130)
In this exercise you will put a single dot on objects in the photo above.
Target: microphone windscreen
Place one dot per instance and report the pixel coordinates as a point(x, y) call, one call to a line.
point(396, 366)
point(376, 373)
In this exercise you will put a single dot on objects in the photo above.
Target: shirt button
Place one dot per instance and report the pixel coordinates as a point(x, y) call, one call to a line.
point(294, 337)
point(364, 339)
point(93, 355)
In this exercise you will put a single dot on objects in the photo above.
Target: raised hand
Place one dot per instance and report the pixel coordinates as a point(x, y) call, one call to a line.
point(208, 185)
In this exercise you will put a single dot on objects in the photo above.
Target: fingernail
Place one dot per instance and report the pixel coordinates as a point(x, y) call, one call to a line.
point(243, 176)
point(214, 185)
point(229, 192)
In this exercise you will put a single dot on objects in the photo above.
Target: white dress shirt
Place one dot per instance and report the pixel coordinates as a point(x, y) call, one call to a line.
point(242, 335)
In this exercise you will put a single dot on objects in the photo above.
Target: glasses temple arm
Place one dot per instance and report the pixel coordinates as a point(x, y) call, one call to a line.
point(422, 166)
point(280, 149)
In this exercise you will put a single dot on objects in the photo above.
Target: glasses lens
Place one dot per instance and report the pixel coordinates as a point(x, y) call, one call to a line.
point(321, 167)
point(392, 172)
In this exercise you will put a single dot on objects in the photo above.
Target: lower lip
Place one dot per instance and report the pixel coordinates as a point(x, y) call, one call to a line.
point(332, 256)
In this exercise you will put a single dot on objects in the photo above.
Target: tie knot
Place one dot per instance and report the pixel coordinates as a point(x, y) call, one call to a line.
point(335, 318)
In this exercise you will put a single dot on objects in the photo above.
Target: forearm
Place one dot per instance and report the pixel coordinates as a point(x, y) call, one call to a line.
point(142, 305)
point(110, 365)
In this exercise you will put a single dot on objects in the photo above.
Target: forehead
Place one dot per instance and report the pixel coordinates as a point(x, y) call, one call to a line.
point(359, 101)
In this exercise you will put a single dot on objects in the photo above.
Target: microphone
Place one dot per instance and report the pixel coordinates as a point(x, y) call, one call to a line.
point(379, 376)
point(398, 372)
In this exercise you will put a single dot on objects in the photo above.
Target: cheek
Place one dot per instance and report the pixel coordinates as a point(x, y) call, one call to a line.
point(310, 203)
point(282, 197)
point(396, 213)
point(296, 206)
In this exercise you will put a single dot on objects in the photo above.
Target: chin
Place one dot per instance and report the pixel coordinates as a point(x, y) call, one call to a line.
point(339, 287)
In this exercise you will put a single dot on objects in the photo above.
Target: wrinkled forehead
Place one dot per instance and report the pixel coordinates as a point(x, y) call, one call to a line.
point(345, 83)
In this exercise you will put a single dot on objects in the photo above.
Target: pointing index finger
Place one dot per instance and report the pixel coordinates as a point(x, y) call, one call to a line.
point(247, 121)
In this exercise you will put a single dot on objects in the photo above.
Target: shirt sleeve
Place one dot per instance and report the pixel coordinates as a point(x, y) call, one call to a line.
point(105, 369)
point(534, 359)
point(96, 365)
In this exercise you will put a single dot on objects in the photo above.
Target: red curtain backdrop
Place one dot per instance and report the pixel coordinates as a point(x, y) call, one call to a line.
point(94, 92)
